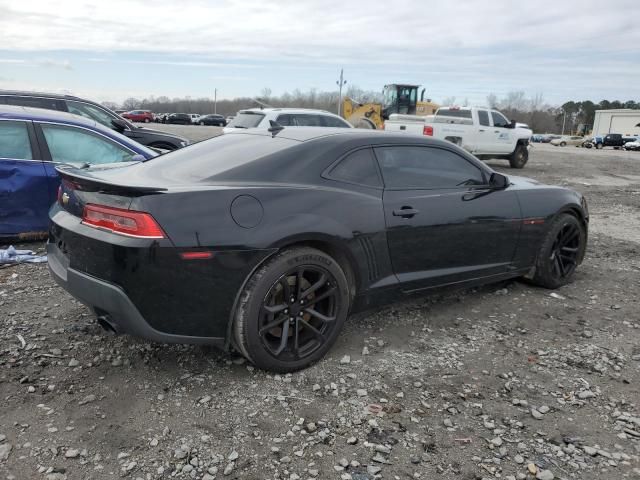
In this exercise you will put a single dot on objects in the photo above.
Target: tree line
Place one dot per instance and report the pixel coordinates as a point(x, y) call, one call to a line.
point(542, 117)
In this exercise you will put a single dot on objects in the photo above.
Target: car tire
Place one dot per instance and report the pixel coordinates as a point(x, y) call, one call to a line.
point(561, 252)
point(598, 146)
point(281, 324)
point(563, 144)
point(146, 120)
point(519, 157)
point(588, 145)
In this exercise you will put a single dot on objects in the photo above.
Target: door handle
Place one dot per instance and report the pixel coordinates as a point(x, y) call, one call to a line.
point(496, 131)
point(481, 130)
point(405, 212)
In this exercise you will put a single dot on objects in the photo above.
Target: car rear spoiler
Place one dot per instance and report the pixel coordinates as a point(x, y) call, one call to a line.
point(84, 180)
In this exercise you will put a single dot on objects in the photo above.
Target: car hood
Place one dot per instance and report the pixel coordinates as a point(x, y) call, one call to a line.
point(527, 183)
point(163, 134)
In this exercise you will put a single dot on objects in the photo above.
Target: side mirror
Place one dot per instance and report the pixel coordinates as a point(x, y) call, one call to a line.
point(138, 158)
point(497, 181)
point(119, 125)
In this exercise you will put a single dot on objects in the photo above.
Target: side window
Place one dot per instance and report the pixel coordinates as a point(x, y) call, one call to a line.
point(90, 112)
point(14, 141)
point(357, 167)
point(426, 168)
point(48, 103)
point(483, 117)
point(74, 145)
point(499, 120)
point(286, 120)
point(334, 122)
point(308, 120)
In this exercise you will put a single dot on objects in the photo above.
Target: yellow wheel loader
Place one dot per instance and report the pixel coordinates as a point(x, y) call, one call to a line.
point(397, 98)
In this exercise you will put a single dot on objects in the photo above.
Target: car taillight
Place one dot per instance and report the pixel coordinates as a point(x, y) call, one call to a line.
point(123, 222)
point(427, 130)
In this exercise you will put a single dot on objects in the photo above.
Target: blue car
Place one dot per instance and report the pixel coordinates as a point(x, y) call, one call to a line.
point(33, 142)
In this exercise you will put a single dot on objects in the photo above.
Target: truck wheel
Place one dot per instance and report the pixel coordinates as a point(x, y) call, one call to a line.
point(598, 146)
point(519, 157)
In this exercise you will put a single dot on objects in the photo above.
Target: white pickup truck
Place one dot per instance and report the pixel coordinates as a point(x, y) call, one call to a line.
point(484, 132)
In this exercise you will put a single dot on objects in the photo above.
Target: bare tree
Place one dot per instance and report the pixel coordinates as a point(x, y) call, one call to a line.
point(131, 103)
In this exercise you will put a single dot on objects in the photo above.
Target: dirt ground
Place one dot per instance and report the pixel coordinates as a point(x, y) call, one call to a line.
point(506, 381)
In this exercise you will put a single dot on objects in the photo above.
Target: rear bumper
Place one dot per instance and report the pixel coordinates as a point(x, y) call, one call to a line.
point(107, 299)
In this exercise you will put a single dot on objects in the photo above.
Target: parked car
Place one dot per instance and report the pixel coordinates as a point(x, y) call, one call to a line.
point(179, 118)
point(33, 142)
point(229, 118)
point(194, 117)
point(213, 119)
point(633, 145)
point(94, 111)
point(267, 240)
point(549, 137)
point(484, 132)
point(144, 116)
point(614, 140)
point(261, 118)
point(574, 140)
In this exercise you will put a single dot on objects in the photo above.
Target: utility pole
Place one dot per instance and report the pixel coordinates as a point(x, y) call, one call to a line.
point(215, 100)
point(564, 117)
point(342, 82)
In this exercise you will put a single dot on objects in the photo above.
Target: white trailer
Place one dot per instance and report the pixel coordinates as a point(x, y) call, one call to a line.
point(624, 121)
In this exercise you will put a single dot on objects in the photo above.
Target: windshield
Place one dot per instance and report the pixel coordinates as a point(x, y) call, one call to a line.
point(247, 120)
point(390, 95)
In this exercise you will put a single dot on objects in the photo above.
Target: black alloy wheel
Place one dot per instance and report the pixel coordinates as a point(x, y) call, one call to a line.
point(561, 252)
point(565, 250)
point(291, 310)
point(299, 312)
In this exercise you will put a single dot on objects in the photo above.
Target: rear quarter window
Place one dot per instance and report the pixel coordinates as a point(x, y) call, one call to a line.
point(357, 167)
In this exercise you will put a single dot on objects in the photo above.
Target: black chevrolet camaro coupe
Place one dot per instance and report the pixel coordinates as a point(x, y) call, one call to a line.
point(266, 241)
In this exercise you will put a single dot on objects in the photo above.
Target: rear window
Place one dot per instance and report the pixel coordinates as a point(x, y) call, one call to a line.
point(453, 112)
point(247, 120)
point(217, 156)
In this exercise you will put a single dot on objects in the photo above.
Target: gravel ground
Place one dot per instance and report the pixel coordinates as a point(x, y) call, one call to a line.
point(506, 381)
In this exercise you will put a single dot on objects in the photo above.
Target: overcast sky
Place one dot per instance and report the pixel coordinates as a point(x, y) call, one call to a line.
point(110, 50)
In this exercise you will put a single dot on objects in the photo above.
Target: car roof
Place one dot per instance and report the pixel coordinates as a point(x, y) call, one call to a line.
point(59, 96)
point(13, 112)
point(305, 134)
point(31, 113)
point(286, 110)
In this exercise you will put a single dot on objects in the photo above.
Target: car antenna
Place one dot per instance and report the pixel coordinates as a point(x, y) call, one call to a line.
point(275, 127)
